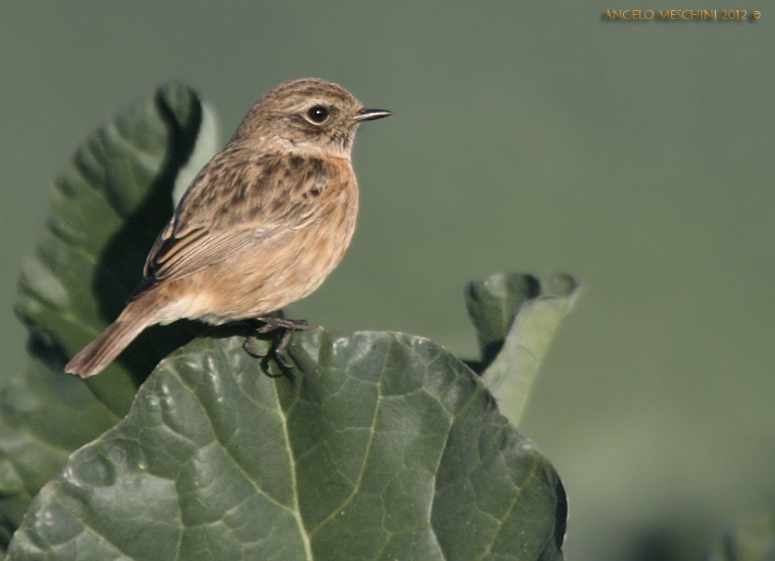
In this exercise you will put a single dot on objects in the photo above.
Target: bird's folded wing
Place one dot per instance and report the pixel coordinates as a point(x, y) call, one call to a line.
point(228, 208)
point(175, 256)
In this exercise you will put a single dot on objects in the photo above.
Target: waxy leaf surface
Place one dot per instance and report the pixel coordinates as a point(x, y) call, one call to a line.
point(376, 446)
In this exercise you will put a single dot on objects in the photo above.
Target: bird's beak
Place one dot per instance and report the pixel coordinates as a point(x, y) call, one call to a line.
point(371, 114)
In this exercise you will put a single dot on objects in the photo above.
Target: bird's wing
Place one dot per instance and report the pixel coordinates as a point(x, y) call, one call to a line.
point(229, 207)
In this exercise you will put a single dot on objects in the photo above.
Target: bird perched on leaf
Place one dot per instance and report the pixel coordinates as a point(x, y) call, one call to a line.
point(262, 225)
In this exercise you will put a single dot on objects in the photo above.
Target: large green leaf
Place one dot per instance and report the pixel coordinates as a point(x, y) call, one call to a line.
point(377, 446)
point(751, 539)
point(516, 317)
point(108, 205)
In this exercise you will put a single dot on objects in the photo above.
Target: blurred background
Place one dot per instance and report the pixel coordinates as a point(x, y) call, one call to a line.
point(526, 136)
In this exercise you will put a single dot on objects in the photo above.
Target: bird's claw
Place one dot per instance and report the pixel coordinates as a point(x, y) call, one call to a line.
point(270, 323)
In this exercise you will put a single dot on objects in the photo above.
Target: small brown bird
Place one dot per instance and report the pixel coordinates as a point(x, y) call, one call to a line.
point(262, 225)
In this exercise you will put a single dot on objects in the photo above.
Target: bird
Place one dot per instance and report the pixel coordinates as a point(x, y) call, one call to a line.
point(262, 225)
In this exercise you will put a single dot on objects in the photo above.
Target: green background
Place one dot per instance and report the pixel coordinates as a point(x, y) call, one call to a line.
point(529, 136)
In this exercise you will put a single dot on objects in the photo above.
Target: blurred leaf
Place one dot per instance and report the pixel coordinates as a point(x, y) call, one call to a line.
point(108, 205)
point(208, 142)
point(377, 446)
point(752, 539)
point(515, 317)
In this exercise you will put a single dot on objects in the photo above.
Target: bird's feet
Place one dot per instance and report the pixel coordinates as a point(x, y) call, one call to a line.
point(285, 328)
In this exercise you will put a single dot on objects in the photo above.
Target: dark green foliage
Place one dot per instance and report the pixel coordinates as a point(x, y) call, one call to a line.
point(378, 446)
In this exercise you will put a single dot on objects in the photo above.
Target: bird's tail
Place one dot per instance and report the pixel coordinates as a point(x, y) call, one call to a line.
point(101, 352)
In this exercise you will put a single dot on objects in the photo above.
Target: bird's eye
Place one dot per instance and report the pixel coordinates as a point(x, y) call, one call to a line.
point(317, 114)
